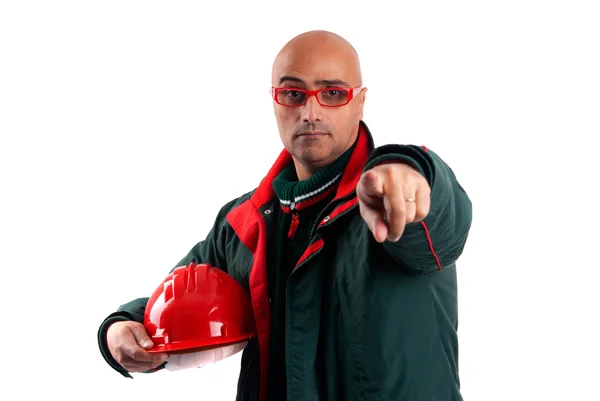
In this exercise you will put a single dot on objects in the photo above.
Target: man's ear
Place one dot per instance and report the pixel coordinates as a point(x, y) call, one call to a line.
point(362, 95)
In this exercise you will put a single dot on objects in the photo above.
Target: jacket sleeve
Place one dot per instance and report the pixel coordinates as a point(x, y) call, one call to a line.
point(211, 250)
point(439, 239)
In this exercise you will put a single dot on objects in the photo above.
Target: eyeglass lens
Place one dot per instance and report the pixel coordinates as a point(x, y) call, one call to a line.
point(327, 97)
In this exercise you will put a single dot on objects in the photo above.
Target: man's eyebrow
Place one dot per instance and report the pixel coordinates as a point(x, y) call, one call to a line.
point(331, 82)
point(290, 78)
point(321, 82)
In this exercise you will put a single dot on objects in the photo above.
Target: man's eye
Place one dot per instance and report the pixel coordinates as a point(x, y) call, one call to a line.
point(334, 94)
point(293, 94)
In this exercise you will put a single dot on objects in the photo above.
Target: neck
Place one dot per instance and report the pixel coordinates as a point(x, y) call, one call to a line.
point(305, 172)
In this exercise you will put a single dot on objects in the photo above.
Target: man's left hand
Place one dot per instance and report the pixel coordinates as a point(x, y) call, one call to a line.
point(390, 196)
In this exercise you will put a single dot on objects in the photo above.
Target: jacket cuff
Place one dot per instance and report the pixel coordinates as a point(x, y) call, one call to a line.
point(103, 344)
point(412, 155)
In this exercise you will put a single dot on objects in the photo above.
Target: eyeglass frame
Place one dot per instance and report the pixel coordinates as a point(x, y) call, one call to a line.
point(352, 92)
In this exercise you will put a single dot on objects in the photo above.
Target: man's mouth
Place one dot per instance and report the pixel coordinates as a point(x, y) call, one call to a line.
point(312, 133)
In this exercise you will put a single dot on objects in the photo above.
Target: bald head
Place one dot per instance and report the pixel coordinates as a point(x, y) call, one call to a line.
point(321, 53)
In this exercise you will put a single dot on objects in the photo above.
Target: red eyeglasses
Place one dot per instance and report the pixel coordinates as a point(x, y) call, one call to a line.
point(328, 97)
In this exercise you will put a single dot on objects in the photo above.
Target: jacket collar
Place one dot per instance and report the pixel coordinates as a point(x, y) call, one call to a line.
point(358, 159)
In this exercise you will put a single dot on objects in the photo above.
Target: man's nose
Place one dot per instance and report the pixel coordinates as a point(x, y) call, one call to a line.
point(311, 111)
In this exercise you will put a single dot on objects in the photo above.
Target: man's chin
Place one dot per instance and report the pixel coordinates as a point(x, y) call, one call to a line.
point(316, 159)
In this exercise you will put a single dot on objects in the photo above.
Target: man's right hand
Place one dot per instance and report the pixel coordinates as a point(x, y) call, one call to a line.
point(128, 342)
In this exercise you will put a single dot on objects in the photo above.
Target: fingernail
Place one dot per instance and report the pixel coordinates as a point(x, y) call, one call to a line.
point(164, 357)
point(147, 344)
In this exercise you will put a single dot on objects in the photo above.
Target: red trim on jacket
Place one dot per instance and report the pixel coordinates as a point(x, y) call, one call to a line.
point(431, 246)
point(311, 249)
point(356, 164)
point(265, 191)
point(250, 227)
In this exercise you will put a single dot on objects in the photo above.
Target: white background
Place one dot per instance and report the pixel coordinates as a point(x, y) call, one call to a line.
point(125, 125)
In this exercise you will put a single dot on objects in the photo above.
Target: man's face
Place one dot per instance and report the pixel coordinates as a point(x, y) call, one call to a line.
point(316, 135)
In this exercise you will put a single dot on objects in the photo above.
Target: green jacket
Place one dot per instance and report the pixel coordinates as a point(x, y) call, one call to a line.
point(364, 320)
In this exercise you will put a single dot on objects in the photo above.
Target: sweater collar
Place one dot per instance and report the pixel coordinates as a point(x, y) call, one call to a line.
point(298, 195)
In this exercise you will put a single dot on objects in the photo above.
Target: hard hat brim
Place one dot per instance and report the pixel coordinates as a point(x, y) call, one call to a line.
point(184, 347)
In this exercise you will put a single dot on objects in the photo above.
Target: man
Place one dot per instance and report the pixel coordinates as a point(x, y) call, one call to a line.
point(348, 252)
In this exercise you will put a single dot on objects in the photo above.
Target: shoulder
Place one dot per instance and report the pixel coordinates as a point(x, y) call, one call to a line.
point(235, 202)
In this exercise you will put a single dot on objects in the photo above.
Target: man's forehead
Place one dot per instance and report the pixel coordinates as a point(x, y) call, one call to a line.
point(315, 69)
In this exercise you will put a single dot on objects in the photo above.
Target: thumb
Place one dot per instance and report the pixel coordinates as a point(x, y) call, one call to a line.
point(141, 337)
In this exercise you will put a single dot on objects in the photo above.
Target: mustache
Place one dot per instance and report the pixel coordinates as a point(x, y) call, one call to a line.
point(316, 126)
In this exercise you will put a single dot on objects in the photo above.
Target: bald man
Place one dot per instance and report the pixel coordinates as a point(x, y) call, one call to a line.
point(347, 250)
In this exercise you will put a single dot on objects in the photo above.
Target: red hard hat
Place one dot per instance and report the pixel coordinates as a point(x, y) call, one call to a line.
point(198, 307)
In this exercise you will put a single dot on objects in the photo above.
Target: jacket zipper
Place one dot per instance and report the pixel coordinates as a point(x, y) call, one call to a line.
point(295, 221)
point(318, 219)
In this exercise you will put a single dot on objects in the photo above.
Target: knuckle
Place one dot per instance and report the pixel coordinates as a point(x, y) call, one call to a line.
point(388, 169)
point(426, 189)
point(369, 174)
point(370, 179)
point(119, 357)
